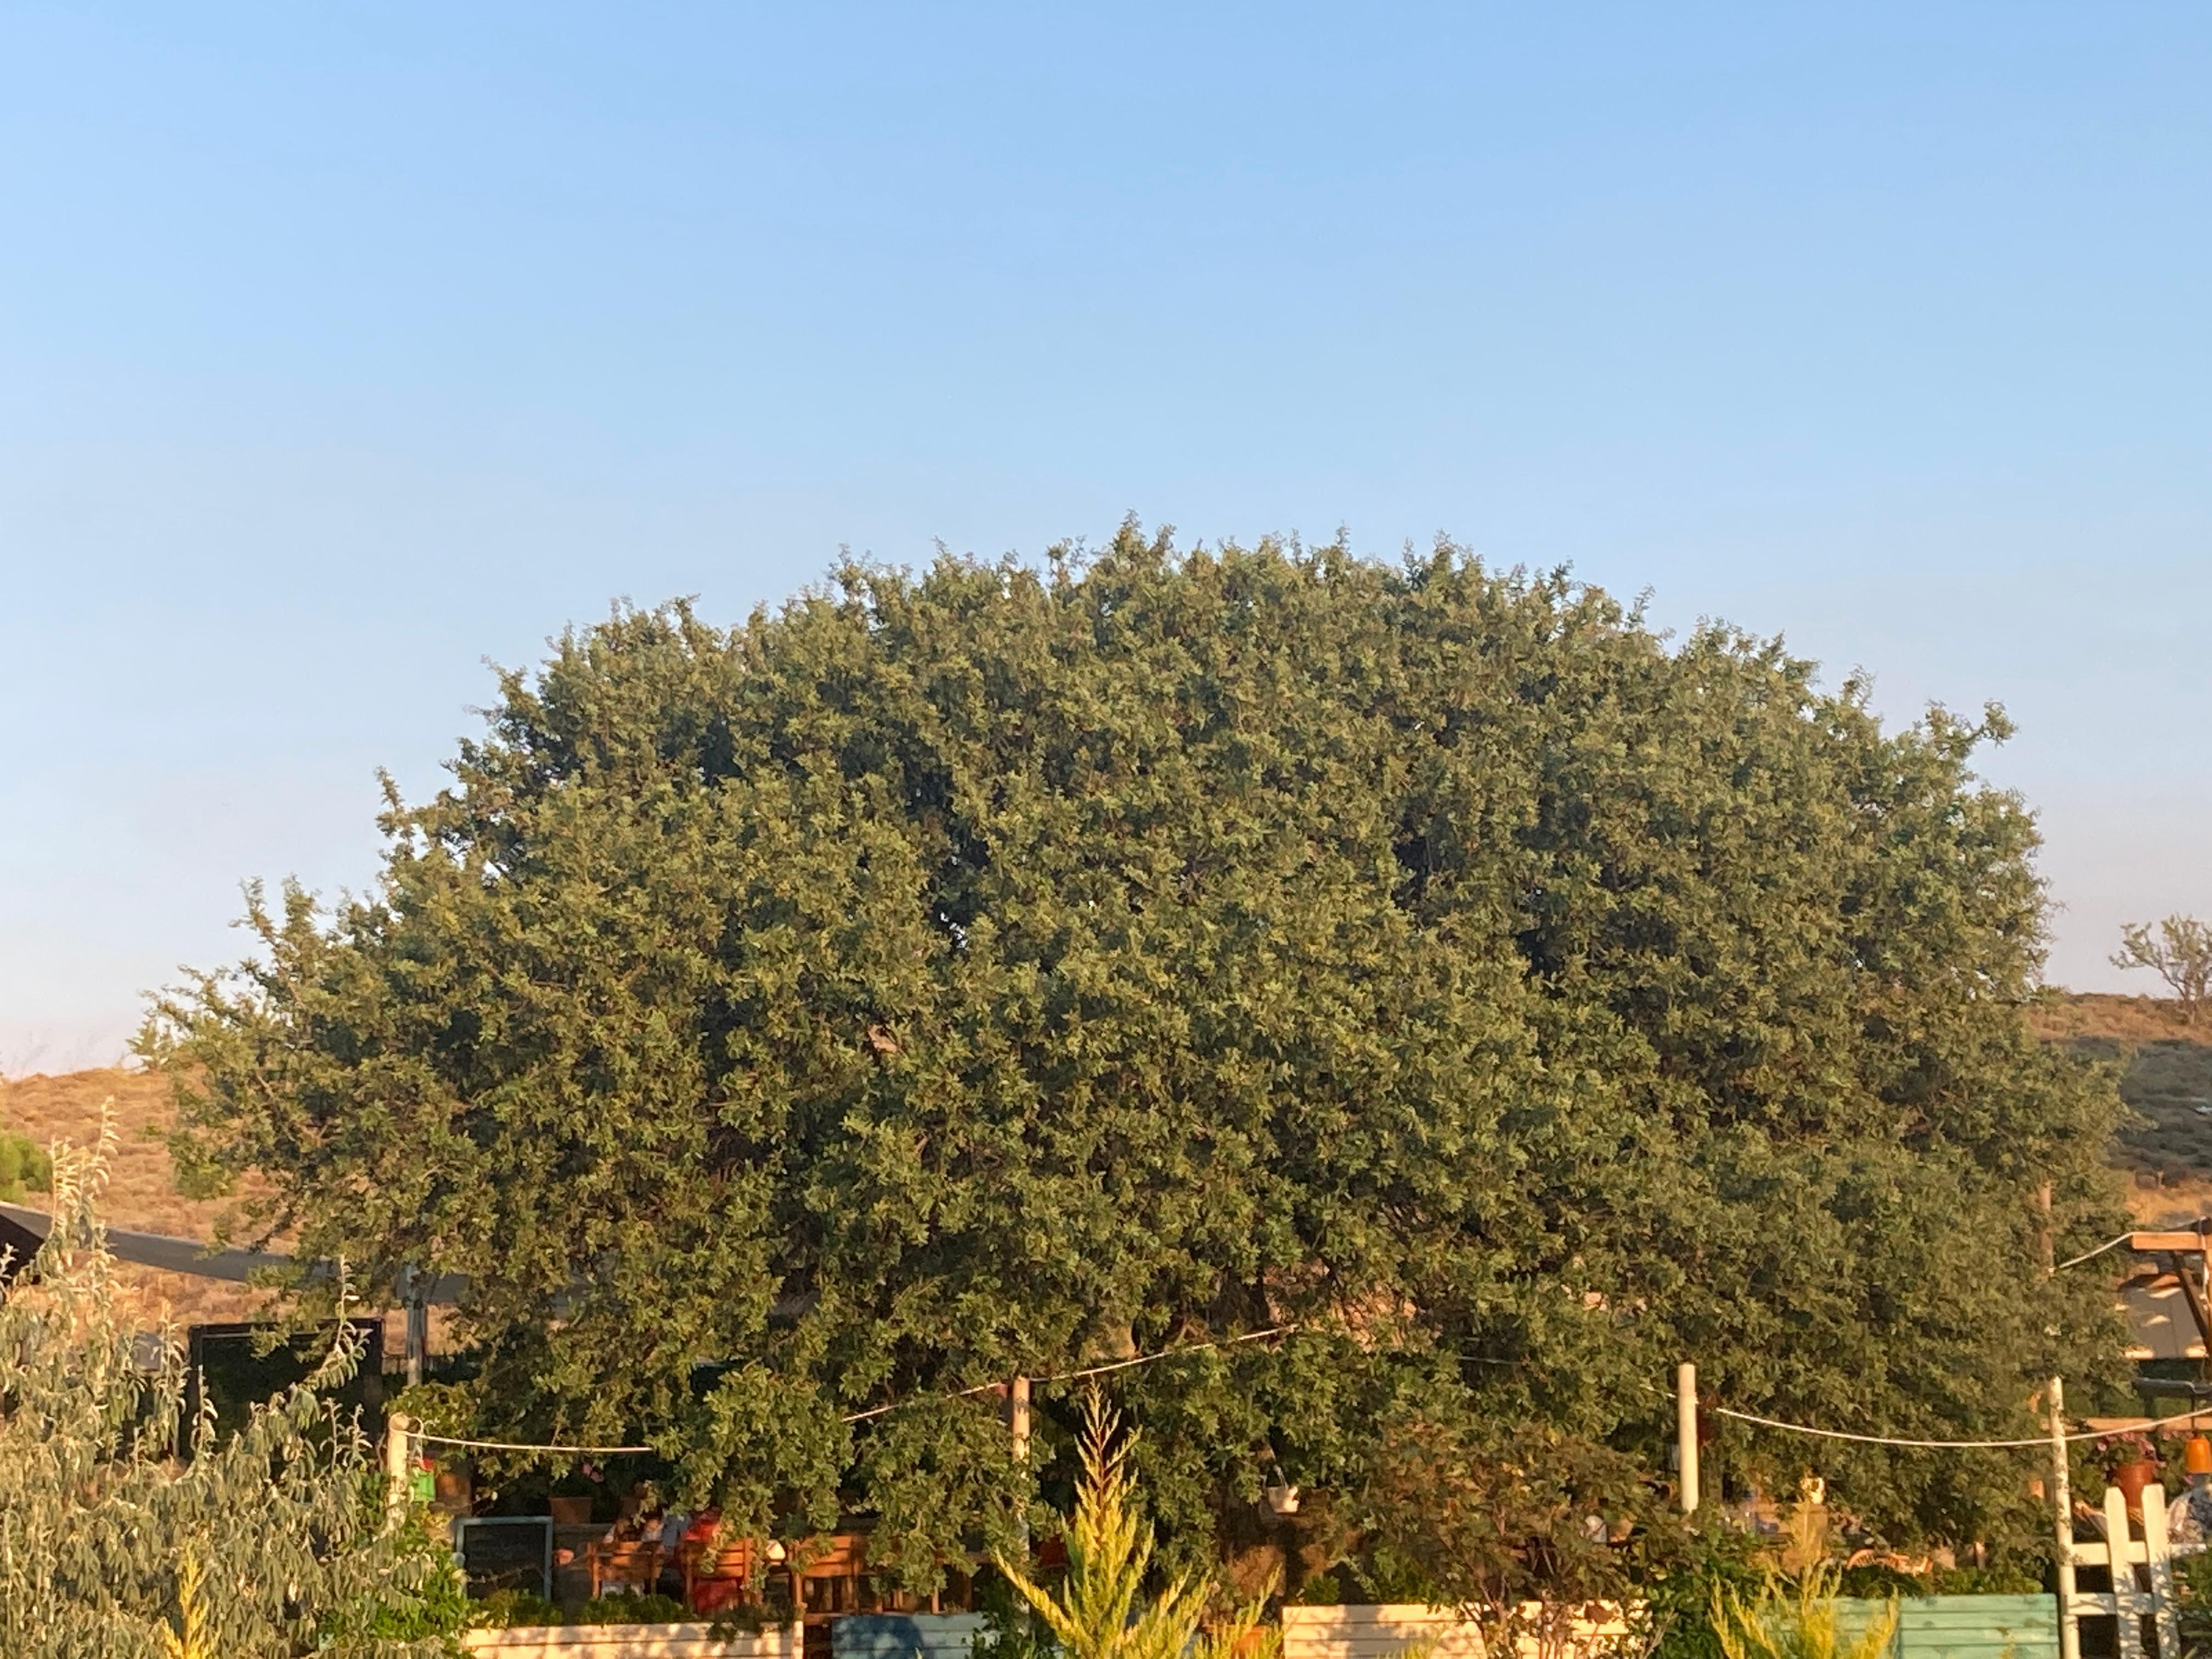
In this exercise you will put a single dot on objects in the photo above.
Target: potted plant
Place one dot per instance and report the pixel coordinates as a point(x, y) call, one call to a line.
point(2135, 1465)
point(573, 1495)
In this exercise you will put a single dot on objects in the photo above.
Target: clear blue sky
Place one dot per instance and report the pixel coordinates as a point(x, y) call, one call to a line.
point(343, 346)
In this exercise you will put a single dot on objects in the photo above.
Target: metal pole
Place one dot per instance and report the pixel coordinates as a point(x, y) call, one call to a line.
point(1686, 1438)
point(2069, 1629)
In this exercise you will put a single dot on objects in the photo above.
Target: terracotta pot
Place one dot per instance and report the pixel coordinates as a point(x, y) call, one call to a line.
point(570, 1511)
point(2131, 1479)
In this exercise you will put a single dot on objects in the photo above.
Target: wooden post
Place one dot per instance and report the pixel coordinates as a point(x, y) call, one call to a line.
point(418, 1338)
point(398, 1455)
point(2158, 1567)
point(1018, 1419)
point(2129, 1603)
point(1686, 1438)
point(2061, 1495)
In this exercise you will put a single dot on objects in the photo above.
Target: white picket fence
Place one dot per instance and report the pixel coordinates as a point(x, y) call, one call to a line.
point(2143, 1577)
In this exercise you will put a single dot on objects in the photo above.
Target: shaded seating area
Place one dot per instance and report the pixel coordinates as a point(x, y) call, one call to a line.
point(826, 1578)
point(830, 1575)
point(716, 1578)
point(628, 1563)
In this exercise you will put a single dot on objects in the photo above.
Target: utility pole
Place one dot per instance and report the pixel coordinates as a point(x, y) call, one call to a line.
point(2062, 1492)
point(1686, 1440)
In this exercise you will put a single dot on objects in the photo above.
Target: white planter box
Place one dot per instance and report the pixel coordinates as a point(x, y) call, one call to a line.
point(1378, 1632)
point(1385, 1631)
point(632, 1642)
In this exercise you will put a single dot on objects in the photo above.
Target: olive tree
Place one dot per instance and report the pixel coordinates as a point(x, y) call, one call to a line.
point(130, 1531)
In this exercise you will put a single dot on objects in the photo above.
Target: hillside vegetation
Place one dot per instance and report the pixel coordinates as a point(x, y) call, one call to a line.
point(2165, 1066)
point(142, 1190)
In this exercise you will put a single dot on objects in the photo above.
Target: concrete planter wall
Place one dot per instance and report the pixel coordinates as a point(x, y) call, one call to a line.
point(1388, 1630)
point(632, 1642)
point(859, 1636)
point(1377, 1632)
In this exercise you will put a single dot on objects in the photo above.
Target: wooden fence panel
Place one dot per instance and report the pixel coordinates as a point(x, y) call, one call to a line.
point(1963, 1626)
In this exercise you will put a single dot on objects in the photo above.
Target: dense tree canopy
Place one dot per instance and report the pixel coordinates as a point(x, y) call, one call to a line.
point(989, 972)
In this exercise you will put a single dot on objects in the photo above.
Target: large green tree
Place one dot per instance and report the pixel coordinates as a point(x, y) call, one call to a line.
point(993, 971)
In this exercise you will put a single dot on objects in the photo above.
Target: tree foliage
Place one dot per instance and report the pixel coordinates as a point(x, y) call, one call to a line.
point(24, 1167)
point(2180, 952)
point(128, 1531)
point(990, 971)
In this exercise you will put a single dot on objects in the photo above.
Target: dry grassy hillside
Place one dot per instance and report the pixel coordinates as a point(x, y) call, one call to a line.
point(2098, 1015)
point(2164, 1064)
point(142, 1193)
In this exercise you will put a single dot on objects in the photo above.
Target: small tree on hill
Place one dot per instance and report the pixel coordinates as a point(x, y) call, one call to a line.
point(23, 1167)
point(2180, 952)
point(272, 1541)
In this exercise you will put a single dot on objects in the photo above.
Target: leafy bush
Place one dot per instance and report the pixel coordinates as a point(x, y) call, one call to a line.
point(23, 1167)
point(620, 1609)
point(512, 1609)
point(1679, 1594)
point(1879, 1583)
point(1999, 1580)
point(438, 1608)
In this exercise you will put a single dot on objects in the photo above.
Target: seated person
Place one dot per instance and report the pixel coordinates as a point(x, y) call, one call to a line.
point(718, 1573)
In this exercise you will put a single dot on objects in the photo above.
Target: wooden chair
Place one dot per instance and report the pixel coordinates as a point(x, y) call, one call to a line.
point(837, 1564)
point(714, 1579)
point(634, 1562)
